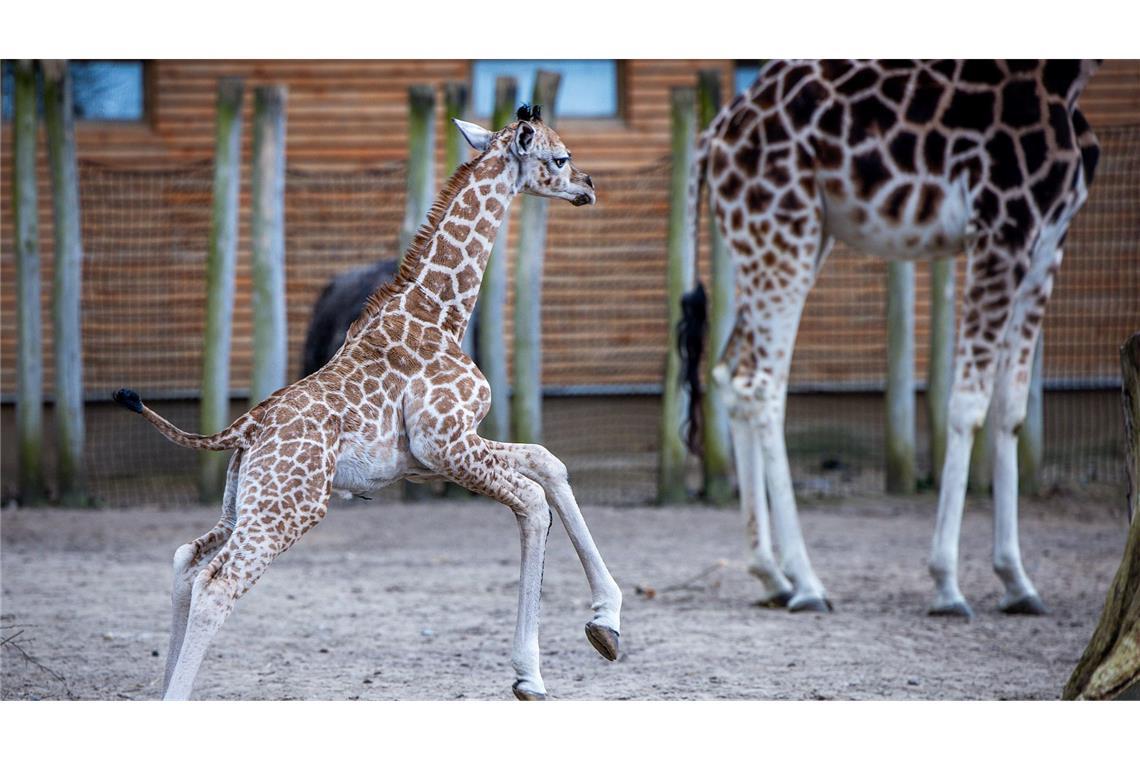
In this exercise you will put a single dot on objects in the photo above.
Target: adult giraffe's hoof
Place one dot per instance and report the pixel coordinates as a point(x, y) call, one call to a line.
point(523, 694)
point(604, 639)
point(1026, 605)
point(957, 608)
point(776, 601)
point(809, 604)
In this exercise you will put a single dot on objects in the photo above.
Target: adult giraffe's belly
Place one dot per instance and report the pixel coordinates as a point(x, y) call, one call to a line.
point(908, 219)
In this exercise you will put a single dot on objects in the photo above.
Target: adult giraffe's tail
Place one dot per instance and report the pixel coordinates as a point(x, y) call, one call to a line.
point(693, 325)
point(233, 437)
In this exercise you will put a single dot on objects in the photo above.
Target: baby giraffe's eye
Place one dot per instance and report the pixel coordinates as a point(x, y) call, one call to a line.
point(560, 162)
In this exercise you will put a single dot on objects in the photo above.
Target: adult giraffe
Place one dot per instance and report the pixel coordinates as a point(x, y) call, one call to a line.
point(900, 159)
point(399, 400)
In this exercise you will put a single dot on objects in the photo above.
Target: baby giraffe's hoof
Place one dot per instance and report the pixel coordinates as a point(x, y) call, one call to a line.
point(604, 639)
point(952, 609)
point(1026, 605)
point(809, 604)
point(526, 695)
point(775, 601)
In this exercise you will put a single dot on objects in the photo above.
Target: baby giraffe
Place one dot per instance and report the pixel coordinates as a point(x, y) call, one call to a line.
point(399, 400)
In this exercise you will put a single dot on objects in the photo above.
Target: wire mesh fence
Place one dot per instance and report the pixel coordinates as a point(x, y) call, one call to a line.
point(605, 329)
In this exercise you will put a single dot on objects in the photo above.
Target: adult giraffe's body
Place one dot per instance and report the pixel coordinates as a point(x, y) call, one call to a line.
point(399, 400)
point(899, 159)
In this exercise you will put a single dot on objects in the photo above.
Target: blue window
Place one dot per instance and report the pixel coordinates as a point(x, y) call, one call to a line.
point(588, 89)
point(744, 74)
point(101, 90)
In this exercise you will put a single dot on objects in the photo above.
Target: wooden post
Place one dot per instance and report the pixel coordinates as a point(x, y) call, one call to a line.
point(1031, 439)
point(717, 458)
point(29, 341)
point(940, 367)
point(671, 456)
point(1110, 665)
point(220, 266)
point(526, 403)
point(267, 235)
point(982, 459)
point(421, 161)
point(900, 377)
point(59, 117)
point(492, 353)
point(455, 153)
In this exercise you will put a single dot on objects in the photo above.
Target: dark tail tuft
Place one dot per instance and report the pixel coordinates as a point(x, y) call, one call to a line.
point(690, 344)
point(125, 397)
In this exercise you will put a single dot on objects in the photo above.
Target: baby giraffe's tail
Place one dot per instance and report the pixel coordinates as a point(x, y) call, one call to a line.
point(233, 437)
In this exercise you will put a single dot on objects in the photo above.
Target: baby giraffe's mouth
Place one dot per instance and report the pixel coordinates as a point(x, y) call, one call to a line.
point(583, 199)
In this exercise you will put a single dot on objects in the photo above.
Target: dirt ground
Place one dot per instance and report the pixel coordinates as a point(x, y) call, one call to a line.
point(417, 601)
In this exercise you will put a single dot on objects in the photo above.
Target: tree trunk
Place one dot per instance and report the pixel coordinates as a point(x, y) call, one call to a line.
point(220, 267)
point(671, 464)
point(267, 234)
point(526, 403)
point(900, 377)
point(59, 116)
point(717, 459)
point(1110, 666)
point(940, 368)
point(491, 332)
point(29, 329)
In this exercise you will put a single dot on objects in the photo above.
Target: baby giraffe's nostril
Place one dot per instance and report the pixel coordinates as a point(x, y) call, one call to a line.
point(589, 181)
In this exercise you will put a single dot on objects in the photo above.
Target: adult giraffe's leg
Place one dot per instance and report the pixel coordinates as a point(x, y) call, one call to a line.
point(754, 509)
point(1011, 394)
point(475, 464)
point(538, 464)
point(987, 309)
point(191, 557)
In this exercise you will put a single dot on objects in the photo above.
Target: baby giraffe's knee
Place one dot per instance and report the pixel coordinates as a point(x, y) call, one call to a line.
point(548, 466)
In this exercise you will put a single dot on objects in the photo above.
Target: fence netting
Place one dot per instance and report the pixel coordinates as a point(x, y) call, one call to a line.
point(605, 331)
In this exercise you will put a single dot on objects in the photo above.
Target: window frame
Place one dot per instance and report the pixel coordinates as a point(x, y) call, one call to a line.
point(621, 87)
point(146, 120)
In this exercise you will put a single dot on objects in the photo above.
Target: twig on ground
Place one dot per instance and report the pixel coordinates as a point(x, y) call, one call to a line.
point(686, 585)
point(10, 641)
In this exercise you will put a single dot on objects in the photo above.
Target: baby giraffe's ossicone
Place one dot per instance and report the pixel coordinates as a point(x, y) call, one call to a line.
point(399, 399)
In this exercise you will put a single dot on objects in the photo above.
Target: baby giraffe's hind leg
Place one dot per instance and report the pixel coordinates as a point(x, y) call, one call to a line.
point(193, 556)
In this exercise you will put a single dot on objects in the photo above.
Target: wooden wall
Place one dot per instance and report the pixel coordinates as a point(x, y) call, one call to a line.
point(146, 197)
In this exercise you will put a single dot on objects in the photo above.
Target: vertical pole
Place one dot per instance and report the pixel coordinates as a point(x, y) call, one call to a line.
point(1030, 441)
point(421, 141)
point(671, 465)
point(900, 377)
point(491, 333)
point(981, 460)
point(220, 268)
point(267, 235)
point(455, 153)
point(25, 224)
point(717, 454)
point(59, 117)
point(526, 403)
point(420, 188)
point(940, 367)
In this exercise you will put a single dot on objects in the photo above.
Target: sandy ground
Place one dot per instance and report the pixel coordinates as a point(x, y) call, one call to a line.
point(418, 602)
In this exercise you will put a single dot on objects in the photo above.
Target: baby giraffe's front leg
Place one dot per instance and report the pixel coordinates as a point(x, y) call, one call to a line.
point(473, 464)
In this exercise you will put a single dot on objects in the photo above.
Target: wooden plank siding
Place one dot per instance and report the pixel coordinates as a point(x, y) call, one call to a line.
point(146, 194)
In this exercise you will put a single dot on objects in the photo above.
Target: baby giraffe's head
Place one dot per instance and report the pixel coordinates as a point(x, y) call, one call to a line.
point(544, 164)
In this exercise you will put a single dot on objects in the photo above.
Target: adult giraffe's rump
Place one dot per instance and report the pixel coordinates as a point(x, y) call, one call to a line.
point(900, 159)
point(399, 399)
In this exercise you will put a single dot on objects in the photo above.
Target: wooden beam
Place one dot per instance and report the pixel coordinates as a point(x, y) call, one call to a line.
point(717, 459)
point(421, 161)
point(671, 450)
point(940, 367)
point(29, 328)
point(1031, 438)
point(900, 377)
point(526, 403)
point(267, 237)
point(492, 341)
point(59, 117)
point(220, 268)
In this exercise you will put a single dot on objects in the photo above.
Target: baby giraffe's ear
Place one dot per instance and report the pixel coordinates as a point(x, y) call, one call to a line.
point(477, 137)
point(524, 138)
